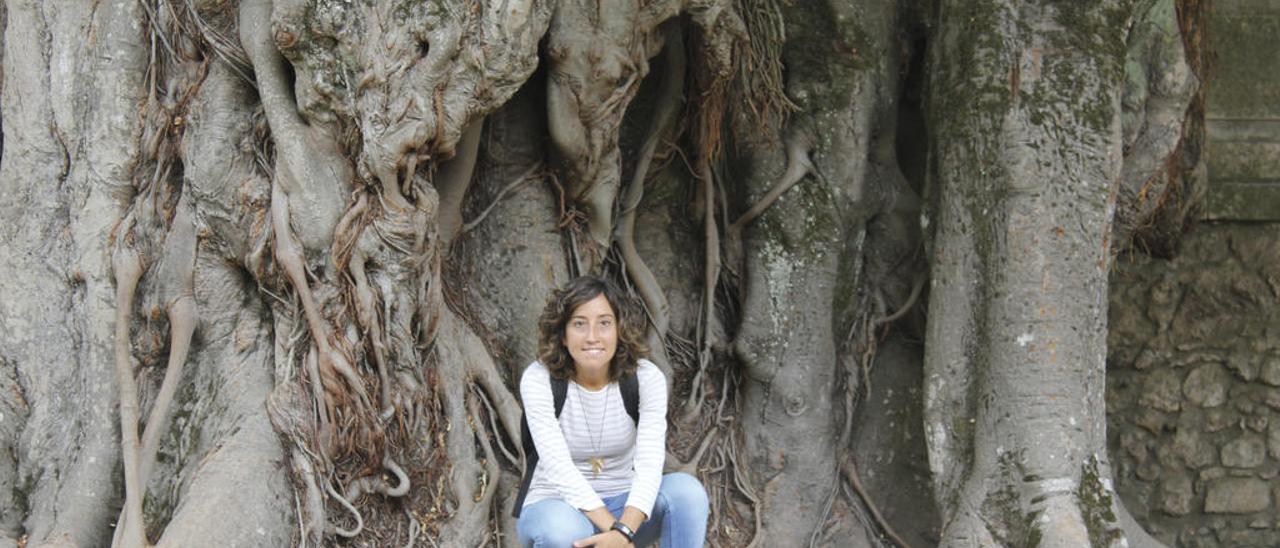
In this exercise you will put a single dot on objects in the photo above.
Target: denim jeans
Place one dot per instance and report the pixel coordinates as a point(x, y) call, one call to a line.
point(679, 517)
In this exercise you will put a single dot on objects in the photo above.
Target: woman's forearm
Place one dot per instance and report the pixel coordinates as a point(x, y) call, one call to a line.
point(601, 518)
point(633, 517)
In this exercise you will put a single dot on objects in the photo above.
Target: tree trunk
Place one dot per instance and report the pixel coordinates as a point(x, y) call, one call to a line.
point(279, 263)
point(1027, 159)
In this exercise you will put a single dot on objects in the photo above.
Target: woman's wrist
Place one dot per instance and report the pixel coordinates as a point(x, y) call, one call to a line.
point(624, 530)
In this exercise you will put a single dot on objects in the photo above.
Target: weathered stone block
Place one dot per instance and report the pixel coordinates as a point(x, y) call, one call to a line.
point(1194, 450)
point(1257, 423)
point(1236, 538)
point(1270, 372)
point(1210, 474)
point(1271, 397)
point(1207, 385)
point(1161, 390)
point(1244, 367)
point(1216, 420)
point(1273, 440)
point(1147, 358)
point(1135, 443)
point(1245, 451)
point(1237, 496)
point(1150, 419)
point(1176, 495)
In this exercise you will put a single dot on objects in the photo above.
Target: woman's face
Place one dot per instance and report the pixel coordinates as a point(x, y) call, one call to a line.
point(592, 336)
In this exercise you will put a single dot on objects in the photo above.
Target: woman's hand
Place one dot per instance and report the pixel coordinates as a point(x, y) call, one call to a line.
point(607, 539)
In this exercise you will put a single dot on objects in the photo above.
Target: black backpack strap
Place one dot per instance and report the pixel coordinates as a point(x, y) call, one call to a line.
point(559, 389)
point(530, 464)
point(629, 385)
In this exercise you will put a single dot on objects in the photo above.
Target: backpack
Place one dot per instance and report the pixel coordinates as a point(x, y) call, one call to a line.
point(627, 384)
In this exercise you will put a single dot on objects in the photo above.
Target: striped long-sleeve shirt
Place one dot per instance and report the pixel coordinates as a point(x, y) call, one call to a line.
point(596, 424)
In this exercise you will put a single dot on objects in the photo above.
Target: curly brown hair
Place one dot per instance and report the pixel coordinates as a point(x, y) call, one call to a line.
point(555, 316)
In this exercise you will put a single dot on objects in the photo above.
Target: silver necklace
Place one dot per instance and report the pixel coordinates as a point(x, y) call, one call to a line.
point(597, 461)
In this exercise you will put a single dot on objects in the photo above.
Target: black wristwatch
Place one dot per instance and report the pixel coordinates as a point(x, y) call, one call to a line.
point(626, 531)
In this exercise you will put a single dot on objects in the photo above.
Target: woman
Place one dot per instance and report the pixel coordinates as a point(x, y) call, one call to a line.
point(598, 477)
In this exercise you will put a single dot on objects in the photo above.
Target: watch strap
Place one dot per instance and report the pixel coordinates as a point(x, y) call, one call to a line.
point(626, 531)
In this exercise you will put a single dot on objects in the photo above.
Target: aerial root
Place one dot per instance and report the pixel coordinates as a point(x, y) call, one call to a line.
point(508, 412)
point(916, 289)
point(710, 279)
point(413, 527)
point(519, 181)
point(452, 180)
point(348, 533)
point(289, 254)
point(367, 315)
point(798, 165)
point(313, 526)
point(850, 473)
point(182, 325)
point(670, 96)
point(127, 267)
point(493, 424)
point(489, 480)
point(376, 483)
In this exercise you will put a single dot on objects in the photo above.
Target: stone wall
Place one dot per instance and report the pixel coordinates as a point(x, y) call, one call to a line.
point(1193, 388)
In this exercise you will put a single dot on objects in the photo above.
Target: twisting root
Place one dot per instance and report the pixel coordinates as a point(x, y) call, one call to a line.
point(321, 398)
point(798, 165)
point(710, 279)
point(313, 526)
point(127, 267)
point(182, 324)
point(743, 487)
point(375, 483)
point(493, 424)
point(289, 254)
point(352, 509)
point(367, 315)
point(519, 181)
point(180, 255)
point(916, 289)
point(670, 95)
point(691, 466)
point(402, 479)
point(452, 180)
point(413, 527)
point(485, 372)
point(851, 474)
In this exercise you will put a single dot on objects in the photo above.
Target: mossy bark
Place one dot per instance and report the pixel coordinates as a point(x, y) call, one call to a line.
point(1027, 156)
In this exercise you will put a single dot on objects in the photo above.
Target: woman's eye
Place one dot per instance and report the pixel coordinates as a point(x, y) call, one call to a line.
point(606, 323)
point(579, 324)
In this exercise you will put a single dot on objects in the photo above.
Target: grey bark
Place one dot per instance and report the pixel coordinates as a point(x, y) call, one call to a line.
point(1027, 156)
point(312, 240)
point(804, 257)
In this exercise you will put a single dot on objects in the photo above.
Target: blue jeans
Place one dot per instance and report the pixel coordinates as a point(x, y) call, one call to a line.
point(679, 516)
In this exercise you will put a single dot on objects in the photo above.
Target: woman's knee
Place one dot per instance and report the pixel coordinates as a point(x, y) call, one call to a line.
point(552, 523)
point(684, 492)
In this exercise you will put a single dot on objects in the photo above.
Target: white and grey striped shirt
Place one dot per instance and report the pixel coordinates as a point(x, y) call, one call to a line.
point(596, 424)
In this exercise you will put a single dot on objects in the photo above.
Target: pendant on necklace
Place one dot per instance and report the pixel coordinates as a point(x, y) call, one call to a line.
point(597, 464)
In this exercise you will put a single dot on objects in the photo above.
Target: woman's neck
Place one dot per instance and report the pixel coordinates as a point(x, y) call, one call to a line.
point(591, 381)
